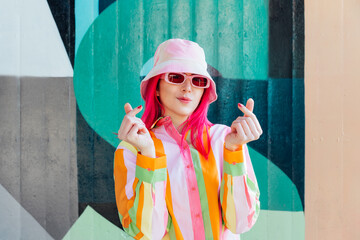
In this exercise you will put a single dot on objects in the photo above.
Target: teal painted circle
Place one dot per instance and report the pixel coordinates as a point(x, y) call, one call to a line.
point(107, 74)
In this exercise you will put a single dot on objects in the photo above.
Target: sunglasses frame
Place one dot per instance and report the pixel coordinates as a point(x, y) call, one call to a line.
point(186, 76)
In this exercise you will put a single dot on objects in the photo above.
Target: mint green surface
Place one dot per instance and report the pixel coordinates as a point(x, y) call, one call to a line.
point(91, 225)
point(277, 225)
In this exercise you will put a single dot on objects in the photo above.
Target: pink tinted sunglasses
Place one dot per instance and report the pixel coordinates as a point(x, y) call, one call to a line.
point(198, 81)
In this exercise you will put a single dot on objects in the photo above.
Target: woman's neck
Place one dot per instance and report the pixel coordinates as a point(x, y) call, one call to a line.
point(179, 123)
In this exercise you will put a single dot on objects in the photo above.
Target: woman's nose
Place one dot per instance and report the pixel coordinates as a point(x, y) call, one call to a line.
point(186, 86)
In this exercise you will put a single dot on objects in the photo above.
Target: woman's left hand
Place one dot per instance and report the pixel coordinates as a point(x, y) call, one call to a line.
point(244, 129)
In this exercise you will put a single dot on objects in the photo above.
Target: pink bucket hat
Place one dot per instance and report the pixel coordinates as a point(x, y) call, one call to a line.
point(179, 55)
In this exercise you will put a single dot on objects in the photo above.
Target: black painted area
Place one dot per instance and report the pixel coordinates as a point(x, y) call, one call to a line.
point(64, 16)
point(107, 210)
point(95, 158)
point(286, 39)
point(298, 39)
point(286, 89)
point(280, 39)
point(279, 107)
point(234, 91)
point(103, 4)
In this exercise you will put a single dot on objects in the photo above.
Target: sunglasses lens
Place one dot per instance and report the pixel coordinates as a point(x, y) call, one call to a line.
point(200, 81)
point(176, 78)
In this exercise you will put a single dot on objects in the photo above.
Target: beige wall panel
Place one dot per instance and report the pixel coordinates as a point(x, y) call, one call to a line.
point(332, 108)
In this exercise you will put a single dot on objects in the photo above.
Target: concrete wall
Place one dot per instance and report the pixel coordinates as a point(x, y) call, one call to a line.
point(37, 125)
point(332, 83)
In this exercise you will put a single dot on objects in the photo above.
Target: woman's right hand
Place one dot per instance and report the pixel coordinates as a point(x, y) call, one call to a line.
point(134, 131)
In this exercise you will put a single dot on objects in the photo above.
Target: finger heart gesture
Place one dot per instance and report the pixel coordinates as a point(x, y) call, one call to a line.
point(244, 129)
point(134, 131)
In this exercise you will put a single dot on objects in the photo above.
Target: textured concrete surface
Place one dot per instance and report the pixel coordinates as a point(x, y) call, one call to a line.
point(38, 148)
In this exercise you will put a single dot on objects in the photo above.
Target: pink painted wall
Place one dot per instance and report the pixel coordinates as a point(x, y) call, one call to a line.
point(332, 110)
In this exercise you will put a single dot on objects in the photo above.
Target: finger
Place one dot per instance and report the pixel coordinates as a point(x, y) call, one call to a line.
point(132, 112)
point(133, 132)
point(245, 110)
point(247, 130)
point(127, 124)
point(250, 104)
point(247, 113)
point(252, 127)
point(238, 119)
point(127, 108)
point(240, 131)
point(142, 128)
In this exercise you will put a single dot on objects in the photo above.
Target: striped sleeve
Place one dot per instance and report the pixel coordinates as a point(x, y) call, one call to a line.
point(140, 187)
point(239, 191)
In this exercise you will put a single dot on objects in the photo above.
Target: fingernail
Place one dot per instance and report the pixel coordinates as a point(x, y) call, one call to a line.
point(240, 105)
point(139, 106)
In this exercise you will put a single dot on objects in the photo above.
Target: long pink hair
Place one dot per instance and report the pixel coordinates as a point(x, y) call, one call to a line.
point(196, 122)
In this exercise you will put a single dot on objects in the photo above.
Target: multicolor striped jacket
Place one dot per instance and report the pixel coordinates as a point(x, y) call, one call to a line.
point(183, 195)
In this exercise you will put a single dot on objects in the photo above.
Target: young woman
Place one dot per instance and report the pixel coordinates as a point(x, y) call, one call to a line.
point(178, 176)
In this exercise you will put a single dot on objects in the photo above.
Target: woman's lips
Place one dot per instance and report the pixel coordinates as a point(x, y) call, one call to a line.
point(184, 100)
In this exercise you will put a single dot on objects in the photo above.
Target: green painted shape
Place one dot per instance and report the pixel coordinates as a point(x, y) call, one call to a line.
point(106, 75)
point(277, 191)
point(91, 225)
point(279, 225)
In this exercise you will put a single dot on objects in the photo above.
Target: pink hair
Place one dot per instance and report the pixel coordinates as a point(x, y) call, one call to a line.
point(196, 122)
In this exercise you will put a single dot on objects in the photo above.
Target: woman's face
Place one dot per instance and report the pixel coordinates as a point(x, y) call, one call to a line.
point(179, 101)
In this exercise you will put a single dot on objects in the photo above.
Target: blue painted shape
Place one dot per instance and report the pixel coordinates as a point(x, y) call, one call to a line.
point(16, 222)
point(86, 12)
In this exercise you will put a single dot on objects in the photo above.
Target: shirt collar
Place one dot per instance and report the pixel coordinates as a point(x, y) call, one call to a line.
point(170, 129)
point(160, 121)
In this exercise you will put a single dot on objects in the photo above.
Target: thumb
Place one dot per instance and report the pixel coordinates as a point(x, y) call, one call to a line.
point(250, 104)
point(127, 108)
